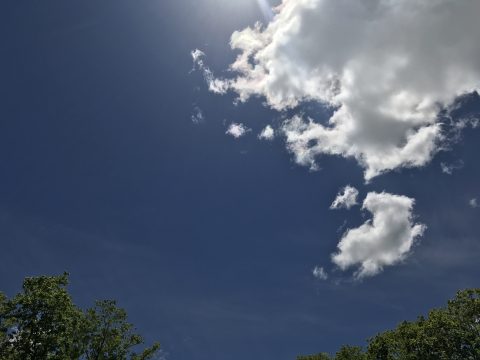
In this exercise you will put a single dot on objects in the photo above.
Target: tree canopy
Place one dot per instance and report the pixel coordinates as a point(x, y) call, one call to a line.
point(448, 333)
point(43, 323)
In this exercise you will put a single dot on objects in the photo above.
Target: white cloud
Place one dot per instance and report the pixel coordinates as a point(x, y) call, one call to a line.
point(385, 240)
point(346, 198)
point(214, 85)
point(458, 126)
point(450, 168)
point(474, 203)
point(267, 133)
point(320, 273)
point(385, 67)
point(472, 121)
point(197, 56)
point(237, 130)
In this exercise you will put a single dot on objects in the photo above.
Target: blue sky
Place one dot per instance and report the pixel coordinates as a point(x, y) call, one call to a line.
point(209, 241)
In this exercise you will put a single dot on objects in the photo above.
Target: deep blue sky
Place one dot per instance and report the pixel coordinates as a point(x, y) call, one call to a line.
point(207, 241)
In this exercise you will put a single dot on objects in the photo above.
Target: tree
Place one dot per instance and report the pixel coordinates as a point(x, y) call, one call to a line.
point(350, 353)
point(449, 333)
point(42, 323)
point(345, 353)
point(110, 336)
point(321, 356)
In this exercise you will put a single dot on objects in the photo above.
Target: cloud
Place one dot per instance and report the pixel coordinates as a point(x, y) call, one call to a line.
point(267, 133)
point(474, 203)
point(197, 116)
point(385, 68)
point(237, 130)
point(472, 121)
point(346, 198)
point(197, 56)
point(382, 241)
point(214, 85)
point(320, 273)
point(450, 168)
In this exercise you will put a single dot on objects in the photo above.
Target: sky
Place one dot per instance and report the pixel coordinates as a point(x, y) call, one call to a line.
point(248, 179)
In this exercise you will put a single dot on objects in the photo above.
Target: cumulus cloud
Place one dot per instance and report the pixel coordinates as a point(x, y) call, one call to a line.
point(384, 67)
point(473, 203)
point(319, 273)
point(382, 241)
point(267, 133)
point(237, 130)
point(346, 198)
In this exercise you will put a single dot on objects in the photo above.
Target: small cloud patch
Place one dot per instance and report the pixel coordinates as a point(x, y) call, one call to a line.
point(214, 85)
point(473, 203)
point(450, 168)
point(267, 133)
point(346, 198)
point(319, 273)
point(198, 116)
point(237, 130)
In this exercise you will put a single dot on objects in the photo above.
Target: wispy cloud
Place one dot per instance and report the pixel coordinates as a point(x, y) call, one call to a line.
point(197, 116)
point(450, 168)
point(319, 273)
point(214, 85)
point(473, 203)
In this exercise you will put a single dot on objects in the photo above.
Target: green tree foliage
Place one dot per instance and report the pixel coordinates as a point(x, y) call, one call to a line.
point(321, 356)
point(345, 353)
point(350, 353)
point(448, 333)
point(42, 323)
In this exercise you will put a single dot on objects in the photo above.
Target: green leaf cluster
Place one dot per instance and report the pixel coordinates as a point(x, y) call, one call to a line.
point(448, 333)
point(43, 323)
point(345, 353)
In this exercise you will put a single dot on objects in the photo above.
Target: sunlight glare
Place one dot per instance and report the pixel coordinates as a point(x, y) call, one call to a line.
point(266, 9)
